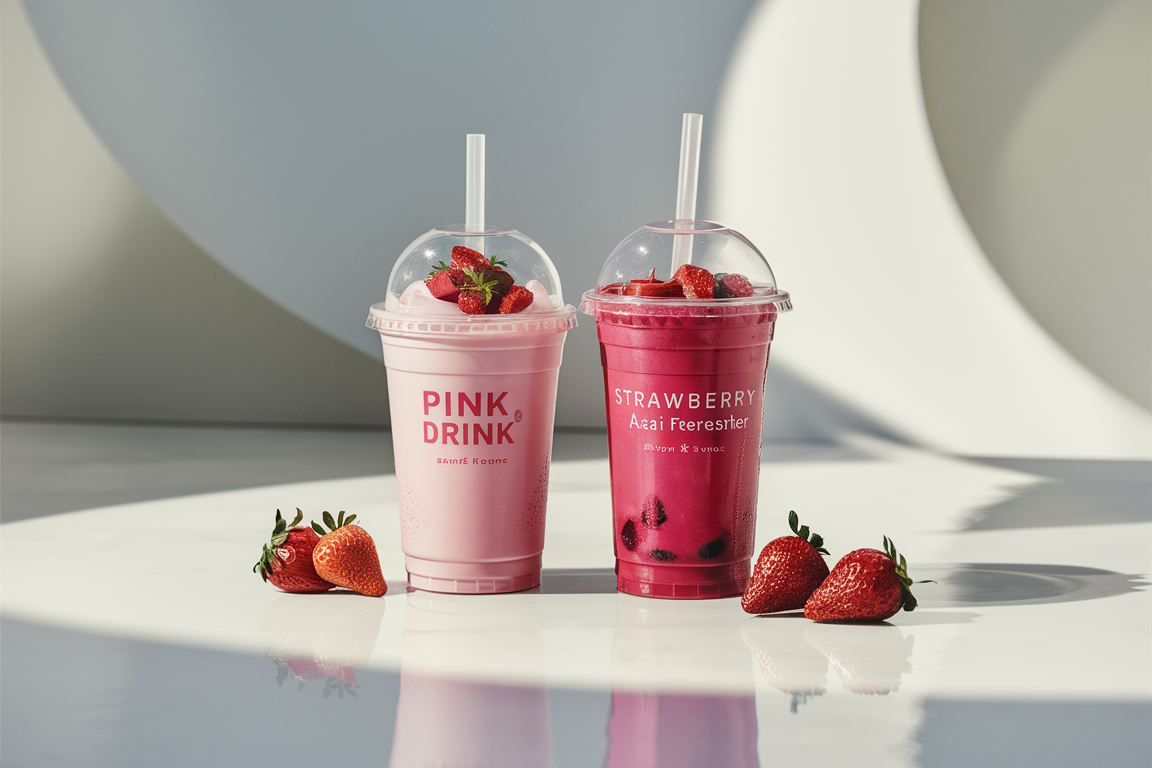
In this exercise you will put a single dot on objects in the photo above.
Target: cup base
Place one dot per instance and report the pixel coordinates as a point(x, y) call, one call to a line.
point(683, 582)
point(473, 578)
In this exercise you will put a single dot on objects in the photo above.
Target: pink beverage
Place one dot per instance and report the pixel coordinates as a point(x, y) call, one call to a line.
point(472, 422)
point(473, 330)
point(446, 721)
point(668, 730)
point(684, 365)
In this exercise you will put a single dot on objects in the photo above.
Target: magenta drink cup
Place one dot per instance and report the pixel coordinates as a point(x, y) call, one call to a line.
point(685, 313)
point(472, 331)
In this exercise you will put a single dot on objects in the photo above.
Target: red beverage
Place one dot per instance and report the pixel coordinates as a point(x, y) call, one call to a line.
point(684, 390)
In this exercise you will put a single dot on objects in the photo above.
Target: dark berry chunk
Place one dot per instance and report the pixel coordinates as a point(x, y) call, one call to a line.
point(652, 512)
point(628, 536)
point(712, 549)
point(662, 555)
point(731, 286)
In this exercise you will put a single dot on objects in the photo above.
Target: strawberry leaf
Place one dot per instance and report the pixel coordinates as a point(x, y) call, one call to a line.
point(296, 520)
point(318, 528)
point(350, 519)
point(328, 521)
point(815, 539)
point(908, 600)
point(475, 282)
point(340, 520)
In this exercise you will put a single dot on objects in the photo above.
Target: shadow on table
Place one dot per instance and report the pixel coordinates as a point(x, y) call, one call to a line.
point(975, 584)
point(577, 581)
point(1077, 492)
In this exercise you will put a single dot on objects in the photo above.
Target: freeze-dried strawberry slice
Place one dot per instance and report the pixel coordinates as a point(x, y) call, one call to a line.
point(446, 283)
point(517, 300)
point(660, 290)
point(697, 281)
point(465, 258)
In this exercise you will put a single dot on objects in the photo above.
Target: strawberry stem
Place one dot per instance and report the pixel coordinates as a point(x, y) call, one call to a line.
point(333, 524)
point(909, 601)
point(815, 539)
point(268, 562)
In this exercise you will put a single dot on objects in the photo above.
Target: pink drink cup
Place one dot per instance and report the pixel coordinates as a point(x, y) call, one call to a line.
point(472, 424)
point(684, 388)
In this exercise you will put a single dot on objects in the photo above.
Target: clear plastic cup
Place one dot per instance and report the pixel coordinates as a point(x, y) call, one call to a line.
point(472, 399)
point(684, 367)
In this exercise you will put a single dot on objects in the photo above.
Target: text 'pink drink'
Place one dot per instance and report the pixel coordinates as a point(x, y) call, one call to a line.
point(685, 327)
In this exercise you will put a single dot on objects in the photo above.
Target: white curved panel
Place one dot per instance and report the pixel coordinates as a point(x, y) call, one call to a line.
point(825, 159)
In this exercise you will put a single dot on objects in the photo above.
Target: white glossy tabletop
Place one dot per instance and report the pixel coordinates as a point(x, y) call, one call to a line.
point(1033, 642)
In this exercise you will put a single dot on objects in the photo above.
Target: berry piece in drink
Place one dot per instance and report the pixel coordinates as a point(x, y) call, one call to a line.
point(628, 536)
point(652, 512)
point(712, 549)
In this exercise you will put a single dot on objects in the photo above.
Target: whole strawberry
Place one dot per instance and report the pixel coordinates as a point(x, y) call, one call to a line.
point(477, 296)
point(866, 585)
point(347, 557)
point(788, 570)
point(286, 560)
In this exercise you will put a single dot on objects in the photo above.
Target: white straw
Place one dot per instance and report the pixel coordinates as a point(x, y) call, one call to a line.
point(474, 184)
point(686, 187)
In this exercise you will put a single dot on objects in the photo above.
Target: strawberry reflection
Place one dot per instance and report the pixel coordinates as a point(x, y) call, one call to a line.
point(868, 658)
point(786, 660)
point(656, 641)
point(794, 655)
point(443, 719)
point(321, 638)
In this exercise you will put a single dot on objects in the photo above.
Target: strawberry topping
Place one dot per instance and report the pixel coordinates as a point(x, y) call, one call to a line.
point(445, 284)
point(463, 258)
point(518, 299)
point(731, 286)
point(697, 281)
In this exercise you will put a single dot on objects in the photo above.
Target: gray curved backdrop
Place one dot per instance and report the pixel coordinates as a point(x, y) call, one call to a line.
point(260, 165)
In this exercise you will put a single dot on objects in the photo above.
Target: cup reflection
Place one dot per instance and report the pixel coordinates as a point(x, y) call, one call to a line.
point(650, 727)
point(445, 721)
